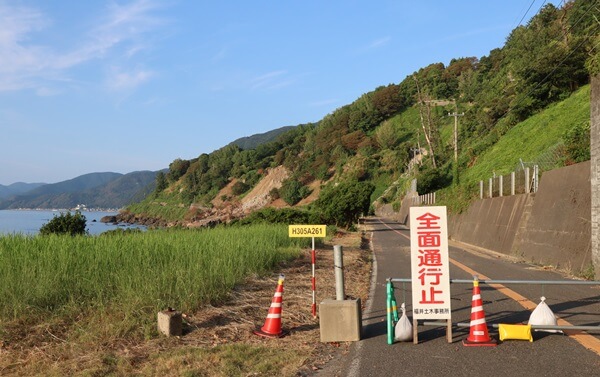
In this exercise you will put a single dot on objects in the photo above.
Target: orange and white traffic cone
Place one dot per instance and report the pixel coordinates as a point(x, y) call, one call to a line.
point(272, 326)
point(478, 334)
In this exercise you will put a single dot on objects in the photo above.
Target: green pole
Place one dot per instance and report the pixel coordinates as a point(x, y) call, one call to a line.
point(394, 307)
point(390, 322)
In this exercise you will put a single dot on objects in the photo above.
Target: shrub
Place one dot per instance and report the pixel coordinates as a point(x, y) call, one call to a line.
point(239, 188)
point(577, 143)
point(65, 223)
point(280, 216)
point(430, 179)
point(292, 191)
point(343, 204)
point(274, 193)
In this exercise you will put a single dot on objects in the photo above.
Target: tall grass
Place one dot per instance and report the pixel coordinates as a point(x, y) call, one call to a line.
point(155, 269)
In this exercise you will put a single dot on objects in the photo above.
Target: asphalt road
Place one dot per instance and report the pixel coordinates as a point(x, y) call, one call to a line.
point(549, 354)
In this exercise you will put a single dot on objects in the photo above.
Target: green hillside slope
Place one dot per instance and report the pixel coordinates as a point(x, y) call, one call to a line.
point(532, 138)
point(518, 102)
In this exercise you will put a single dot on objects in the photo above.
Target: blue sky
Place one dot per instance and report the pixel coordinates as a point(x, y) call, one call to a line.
point(95, 86)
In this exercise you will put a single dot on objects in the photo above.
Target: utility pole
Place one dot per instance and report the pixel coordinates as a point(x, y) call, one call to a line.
point(455, 114)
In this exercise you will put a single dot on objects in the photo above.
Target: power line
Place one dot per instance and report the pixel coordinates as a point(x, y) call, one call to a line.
point(540, 8)
point(527, 11)
point(592, 5)
point(542, 81)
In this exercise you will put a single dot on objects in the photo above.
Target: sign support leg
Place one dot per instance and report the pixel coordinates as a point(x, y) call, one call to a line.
point(415, 332)
point(313, 258)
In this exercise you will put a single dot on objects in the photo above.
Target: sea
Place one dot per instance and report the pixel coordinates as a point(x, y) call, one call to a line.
point(29, 222)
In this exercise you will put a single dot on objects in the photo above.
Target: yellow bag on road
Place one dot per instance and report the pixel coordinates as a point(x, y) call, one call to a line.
point(515, 332)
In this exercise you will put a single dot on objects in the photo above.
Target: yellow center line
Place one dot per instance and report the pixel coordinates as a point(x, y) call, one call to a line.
point(588, 341)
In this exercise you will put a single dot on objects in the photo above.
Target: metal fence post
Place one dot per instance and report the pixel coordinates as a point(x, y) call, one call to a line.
point(512, 183)
point(526, 180)
point(491, 189)
point(480, 189)
point(501, 184)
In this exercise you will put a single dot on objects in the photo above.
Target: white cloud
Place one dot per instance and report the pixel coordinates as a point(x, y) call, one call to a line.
point(380, 42)
point(47, 92)
point(122, 33)
point(19, 58)
point(219, 55)
point(271, 81)
point(119, 80)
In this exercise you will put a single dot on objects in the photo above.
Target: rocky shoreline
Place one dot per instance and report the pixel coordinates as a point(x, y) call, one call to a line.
point(136, 219)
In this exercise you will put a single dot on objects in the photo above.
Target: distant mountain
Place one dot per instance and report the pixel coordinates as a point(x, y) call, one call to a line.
point(251, 142)
point(95, 190)
point(17, 189)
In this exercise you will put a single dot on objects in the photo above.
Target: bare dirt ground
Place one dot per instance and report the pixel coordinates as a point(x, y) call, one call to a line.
point(247, 309)
point(227, 207)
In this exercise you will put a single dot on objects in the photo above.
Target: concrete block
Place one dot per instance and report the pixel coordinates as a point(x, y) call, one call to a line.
point(340, 320)
point(170, 322)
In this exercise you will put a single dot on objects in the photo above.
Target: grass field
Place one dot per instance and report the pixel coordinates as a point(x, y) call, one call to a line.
point(153, 270)
point(86, 306)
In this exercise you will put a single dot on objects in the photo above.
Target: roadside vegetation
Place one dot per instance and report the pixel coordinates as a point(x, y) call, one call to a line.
point(41, 276)
point(86, 305)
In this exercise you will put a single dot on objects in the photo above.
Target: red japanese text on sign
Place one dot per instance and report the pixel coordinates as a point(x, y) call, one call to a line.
point(430, 263)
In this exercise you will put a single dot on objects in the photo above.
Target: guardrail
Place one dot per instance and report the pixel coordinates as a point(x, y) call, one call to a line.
point(392, 310)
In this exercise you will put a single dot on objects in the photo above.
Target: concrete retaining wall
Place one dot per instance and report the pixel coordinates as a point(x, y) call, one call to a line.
point(552, 226)
point(558, 232)
point(490, 223)
point(595, 168)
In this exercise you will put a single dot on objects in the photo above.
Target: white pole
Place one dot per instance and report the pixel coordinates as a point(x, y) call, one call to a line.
point(338, 264)
point(512, 183)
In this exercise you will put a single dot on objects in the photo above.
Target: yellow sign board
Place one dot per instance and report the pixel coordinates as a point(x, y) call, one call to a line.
point(307, 230)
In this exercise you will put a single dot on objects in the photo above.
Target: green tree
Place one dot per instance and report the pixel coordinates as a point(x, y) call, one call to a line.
point(161, 182)
point(343, 204)
point(65, 223)
point(239, 188)
point(387, 100)
point(177, 169)
point(386, 135)
point(292, 191)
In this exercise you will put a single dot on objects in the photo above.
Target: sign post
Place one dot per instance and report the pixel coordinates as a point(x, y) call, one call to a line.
point(430, 266)
point(310, 231)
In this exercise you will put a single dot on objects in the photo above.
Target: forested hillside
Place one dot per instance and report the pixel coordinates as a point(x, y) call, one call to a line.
point(95, 190)
point(362, 148)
